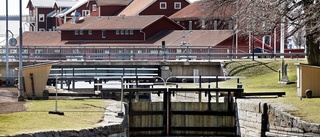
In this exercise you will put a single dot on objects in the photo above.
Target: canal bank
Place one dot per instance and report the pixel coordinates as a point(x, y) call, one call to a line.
point(262, 118)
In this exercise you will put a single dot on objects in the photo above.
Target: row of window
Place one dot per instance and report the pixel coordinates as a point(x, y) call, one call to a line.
point(163, 5)
point(104, 32)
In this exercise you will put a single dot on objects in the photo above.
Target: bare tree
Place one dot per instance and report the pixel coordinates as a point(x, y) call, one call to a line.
point(262, 17)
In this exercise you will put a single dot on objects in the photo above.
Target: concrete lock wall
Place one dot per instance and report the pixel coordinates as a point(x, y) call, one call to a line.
point(258, 118)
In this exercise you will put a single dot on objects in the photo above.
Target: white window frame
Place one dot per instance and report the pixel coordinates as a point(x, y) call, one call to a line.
point(117, 32)
point(89, 32)
point(81, 32)
point(104, 33)
point(41, 18)
point(85, 12)
point(121, 32)
point(94, 7)
point(131, 32)
point(76, 32)
point(164, 5)
point(126, 32)
point(177, 4)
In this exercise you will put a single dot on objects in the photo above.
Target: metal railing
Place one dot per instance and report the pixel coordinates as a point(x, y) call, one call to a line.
point(133, 53)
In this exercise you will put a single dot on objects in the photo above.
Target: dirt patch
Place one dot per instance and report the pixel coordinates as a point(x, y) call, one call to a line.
point(9, 101)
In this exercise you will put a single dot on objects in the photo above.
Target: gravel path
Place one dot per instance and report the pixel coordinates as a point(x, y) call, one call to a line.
point(9, 101)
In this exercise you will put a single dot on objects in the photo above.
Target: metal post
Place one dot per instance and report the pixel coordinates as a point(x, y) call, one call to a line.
point(252, 47)
point(164, 50)
point(120, 114)
point(20, 97)
point(56, 107)
point(7, 54)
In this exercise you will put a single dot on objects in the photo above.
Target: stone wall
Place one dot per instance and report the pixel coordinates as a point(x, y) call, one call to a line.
point(258, 118)
point(91, 132)
point(249, 117)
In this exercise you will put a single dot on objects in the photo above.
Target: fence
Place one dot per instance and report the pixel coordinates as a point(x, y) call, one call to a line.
point(133, 53)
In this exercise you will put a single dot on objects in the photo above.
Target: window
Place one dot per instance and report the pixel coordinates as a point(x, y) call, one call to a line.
point(131, 32)
point(94, 7)
point(90, 32)
point(81, 32)
point(117, 32)
point(85, 12)
point(76, 32)
point(267, 39)
point(122, 32)
point(41, 17)
point(104, 34)
point(163, 5)
point(127, 32)
point(177, 5)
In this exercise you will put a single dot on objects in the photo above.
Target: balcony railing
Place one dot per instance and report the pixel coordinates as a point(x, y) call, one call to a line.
point(133, 53)
point(28, 19)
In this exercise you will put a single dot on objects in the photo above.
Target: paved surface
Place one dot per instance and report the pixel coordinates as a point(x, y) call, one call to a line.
point(111, 113)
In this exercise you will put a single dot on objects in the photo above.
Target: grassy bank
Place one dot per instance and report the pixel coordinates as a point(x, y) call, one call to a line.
point(78, 114)
point(262, 75)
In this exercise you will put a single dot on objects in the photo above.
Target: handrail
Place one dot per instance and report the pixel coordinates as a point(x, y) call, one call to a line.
point(38, 53)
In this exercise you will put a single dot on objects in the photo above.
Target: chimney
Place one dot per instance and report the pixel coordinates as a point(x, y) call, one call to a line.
point(190, 25)
point(215, 25)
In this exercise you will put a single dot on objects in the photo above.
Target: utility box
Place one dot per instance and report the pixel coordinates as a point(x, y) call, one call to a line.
point(308, 78)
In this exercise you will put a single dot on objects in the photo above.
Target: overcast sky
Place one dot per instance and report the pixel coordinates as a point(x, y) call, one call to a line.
point(13, 6)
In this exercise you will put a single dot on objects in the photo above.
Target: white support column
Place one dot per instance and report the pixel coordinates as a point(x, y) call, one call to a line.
point(282, 37)
point(37, 20)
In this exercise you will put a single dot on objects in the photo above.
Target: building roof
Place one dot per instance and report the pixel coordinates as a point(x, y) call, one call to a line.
point(50, 3)
point(195, 38)
point(192, 11)
point(41, 38)
point(74, 7)
point(113, 2)
point(136, 7)
point(112, 22)
point(66, 3)
point(41, 3)
point(197, 10)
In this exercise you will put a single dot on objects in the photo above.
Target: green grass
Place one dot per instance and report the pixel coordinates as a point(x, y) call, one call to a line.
point(78, 114)
point(262, 76)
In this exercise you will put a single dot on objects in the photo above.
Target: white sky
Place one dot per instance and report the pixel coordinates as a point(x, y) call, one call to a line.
point(13, 6)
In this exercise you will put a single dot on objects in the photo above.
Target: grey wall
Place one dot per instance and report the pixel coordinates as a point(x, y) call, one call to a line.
point(258, 118)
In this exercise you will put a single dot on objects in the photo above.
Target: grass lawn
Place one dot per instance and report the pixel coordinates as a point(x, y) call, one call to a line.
point(78, 114)
point(262, 75)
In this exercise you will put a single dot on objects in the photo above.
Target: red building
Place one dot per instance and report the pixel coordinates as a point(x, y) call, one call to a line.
point(116, 28)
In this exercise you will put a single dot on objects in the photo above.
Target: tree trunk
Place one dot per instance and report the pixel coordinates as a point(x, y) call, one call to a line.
point(313, 51)
point(312, 43)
